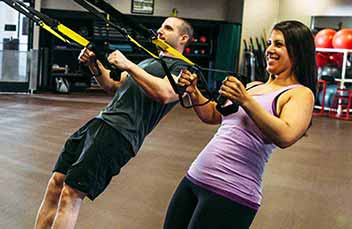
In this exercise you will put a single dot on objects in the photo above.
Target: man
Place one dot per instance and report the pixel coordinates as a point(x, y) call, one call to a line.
point(99, 149)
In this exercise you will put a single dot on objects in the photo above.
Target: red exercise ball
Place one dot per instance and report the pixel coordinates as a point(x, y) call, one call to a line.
point(336, 59)
point(323, 39)
point(322, 58)
point(343, 39)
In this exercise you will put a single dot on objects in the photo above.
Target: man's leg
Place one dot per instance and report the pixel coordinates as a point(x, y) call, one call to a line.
point(69, 206)
point(47, 209)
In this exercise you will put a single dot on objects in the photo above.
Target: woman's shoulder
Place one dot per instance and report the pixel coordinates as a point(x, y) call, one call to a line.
point(299, 89)
point(297, 93)
point(253, 84)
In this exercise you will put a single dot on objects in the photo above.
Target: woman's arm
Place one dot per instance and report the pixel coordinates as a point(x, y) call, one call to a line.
point(295, 109)
point(207, 113)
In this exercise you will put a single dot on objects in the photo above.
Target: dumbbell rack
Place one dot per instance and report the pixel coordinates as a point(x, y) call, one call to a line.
point(343, 79)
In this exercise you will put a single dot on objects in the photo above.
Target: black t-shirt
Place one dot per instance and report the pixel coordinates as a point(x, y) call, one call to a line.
point(131, 111)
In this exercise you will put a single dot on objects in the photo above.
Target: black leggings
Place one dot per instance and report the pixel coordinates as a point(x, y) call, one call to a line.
point(193, 207)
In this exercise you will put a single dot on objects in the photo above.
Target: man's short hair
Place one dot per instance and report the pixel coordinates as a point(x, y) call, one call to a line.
point(186, 28)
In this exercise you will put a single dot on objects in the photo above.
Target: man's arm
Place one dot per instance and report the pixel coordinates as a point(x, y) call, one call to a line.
point(157, 88)
point(102, 75)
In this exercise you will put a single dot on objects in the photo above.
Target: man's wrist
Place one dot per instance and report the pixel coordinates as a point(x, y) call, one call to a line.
point(97, 75)
point(94, 68)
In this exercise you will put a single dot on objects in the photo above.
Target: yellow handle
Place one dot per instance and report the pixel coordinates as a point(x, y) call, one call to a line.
point(73, 35)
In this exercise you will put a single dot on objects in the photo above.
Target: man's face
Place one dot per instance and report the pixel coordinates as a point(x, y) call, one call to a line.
point(170, 32)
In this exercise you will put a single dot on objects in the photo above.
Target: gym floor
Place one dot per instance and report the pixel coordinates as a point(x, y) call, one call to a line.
point(306, 186)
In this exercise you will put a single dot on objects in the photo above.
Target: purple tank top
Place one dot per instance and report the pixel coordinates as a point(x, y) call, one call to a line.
point(232, 163)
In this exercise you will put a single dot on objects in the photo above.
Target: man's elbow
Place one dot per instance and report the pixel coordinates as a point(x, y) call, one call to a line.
point(109, 90)
point(164, 96)
point(165, 99)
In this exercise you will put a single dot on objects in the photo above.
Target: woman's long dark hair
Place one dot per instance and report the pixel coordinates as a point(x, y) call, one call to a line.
point(301, 50)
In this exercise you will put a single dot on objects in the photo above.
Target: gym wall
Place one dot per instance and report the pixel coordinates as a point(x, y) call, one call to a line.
point(303, 9)
point(196, 9)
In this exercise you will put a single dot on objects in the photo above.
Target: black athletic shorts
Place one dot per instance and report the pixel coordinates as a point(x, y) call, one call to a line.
point(92, 156)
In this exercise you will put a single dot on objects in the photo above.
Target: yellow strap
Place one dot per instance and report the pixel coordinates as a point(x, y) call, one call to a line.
point(50, 30)
point(140, 46)
point(167, 48)
point(73, 35)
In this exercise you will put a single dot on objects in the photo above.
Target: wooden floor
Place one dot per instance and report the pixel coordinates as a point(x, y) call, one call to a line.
point(306, 186)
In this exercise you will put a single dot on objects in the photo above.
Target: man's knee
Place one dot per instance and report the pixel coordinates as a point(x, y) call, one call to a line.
point(69, 194)
point(55, 185)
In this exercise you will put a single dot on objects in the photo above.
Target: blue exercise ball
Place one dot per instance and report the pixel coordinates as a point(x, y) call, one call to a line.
point(329, 95)
point(329, 73)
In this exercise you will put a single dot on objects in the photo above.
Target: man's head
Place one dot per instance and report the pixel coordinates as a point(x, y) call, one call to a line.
point(177, 32)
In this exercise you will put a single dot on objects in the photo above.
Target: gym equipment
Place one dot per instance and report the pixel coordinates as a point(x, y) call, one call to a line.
point(249, 61)
point(202, 39)
point(91, 6)
point(322, 58)
point(323, 39)
point(55, 27)
point(62, 85)
point(321, 92)
point(329, 95)
point(329, 73)
point(254, 60)
point(336, 59)
point(341, 104)
point(343, 39)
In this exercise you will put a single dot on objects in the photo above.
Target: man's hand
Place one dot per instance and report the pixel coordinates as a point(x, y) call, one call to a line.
point(89, 59)
point(119, 60)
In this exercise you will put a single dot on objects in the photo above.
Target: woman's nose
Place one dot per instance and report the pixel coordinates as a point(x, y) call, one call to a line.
point(269, 50)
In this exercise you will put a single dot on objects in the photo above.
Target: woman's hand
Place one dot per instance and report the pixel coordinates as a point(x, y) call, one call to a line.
point(234, 90)
point(188, 80)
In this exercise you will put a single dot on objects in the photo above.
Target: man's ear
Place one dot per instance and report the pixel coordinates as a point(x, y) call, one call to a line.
point(184, 39)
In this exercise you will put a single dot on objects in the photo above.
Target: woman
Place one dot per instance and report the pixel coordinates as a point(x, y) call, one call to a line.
point(222, 188)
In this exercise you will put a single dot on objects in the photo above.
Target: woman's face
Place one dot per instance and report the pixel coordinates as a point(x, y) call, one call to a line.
point(277, 58)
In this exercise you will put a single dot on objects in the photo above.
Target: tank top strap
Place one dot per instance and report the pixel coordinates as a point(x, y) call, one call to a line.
point(279, 92)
